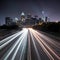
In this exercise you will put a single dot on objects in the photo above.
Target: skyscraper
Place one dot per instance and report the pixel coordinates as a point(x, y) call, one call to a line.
point(29, 16)
point(46, 19)
point(22, 17)
point(8, 21)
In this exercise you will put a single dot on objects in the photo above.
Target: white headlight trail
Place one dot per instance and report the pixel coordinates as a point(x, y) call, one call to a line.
point(21, 46)
point(8, 38)
point(20, 43)
point(24, 48)
point(2, 46)
point(5, 57)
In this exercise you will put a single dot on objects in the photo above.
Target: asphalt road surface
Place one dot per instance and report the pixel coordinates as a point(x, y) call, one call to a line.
point(30, 44)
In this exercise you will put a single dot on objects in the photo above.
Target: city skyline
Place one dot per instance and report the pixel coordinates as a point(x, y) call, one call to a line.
point(13, 8)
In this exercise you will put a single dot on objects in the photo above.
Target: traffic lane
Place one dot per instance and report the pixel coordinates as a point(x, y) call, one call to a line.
point(6, 33)
point(12, 51)
point(51, 53)
point(42, 54)
point(52, 42)
point(4, 50)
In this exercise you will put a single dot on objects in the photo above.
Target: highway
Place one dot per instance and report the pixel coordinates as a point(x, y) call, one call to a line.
point(30, 44)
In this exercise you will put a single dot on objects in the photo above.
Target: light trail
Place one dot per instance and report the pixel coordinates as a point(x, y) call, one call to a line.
point(22, 40)
point(22, 48)
point(3, 45)
point(52, 45)
point(47, 49)
point(49, 40)
point(8, 38)
point(22, 56)
point(5, 57)
point(39, 58)
point(43, 47)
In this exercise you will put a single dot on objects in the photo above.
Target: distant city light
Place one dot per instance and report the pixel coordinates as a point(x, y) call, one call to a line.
point(16, 18)
point(22, 13)
point(56, 21)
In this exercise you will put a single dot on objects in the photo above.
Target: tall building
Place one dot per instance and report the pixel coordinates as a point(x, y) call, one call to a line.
point(22, 17)
point(46, 19)
point(8, 21)
point(29, 16)
point(15, 20)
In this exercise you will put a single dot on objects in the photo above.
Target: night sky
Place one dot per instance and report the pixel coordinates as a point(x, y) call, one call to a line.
point(13, 8)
